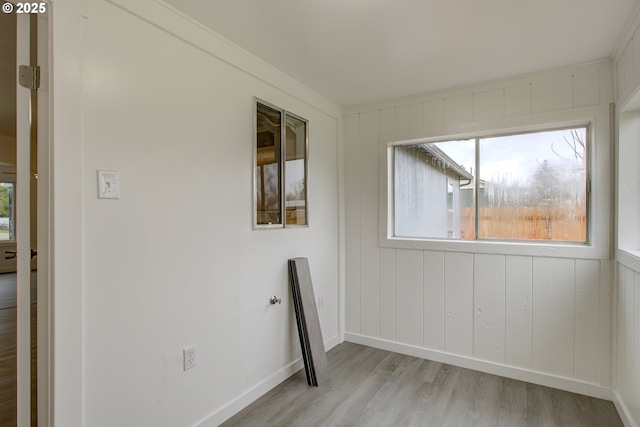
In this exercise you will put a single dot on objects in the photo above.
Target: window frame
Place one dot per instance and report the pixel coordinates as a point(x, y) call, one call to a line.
point(387, 239)
point(627, 232)
point(284, 114)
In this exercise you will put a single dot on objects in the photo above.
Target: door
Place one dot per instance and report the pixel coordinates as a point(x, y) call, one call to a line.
point(24, 296)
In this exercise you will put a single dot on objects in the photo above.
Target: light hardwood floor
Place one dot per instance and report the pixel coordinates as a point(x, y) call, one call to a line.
point(371, 387)
point(8, 350)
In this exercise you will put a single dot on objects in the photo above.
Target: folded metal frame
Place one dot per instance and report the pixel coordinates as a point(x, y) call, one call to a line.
point(311, 342)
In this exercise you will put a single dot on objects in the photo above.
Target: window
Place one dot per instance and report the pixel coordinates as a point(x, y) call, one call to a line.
point(522, 187)
point(280, 188)
point(7, 211)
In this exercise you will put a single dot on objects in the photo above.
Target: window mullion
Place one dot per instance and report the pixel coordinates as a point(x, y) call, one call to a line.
point(283, 161)
point(476, 190)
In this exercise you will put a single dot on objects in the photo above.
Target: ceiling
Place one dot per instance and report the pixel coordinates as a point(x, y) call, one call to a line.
point(359, 51)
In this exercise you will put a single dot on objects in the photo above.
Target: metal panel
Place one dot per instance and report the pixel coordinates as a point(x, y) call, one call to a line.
point(433, 112)
point(311, 342)
point(388, 294)
point(458, 276)
point(553, 308)
point(409, 117)
point(369, 271)
point(517, 100)
point(489, 307)
point(352, 219)
point(433, 277)
point(409, 309)
point(519, 309)
point(488, 105)
point(587, 336)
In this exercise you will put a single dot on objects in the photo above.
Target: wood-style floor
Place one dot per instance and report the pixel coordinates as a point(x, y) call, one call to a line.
point(371, 387)
point(8, 360)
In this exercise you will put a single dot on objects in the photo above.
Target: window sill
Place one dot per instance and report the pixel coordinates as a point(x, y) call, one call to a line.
point(629, 258)
point(559, 250)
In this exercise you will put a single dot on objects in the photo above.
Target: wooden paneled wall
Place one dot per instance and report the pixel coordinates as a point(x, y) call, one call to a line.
point(516, 315)
point(626, 351)
point(627, 65)
point(628, 341)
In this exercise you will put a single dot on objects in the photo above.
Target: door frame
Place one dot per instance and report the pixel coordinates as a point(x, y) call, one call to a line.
point(44, 272)
point(23, 210)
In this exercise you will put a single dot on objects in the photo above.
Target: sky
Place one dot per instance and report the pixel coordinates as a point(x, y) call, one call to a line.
point(515, 157)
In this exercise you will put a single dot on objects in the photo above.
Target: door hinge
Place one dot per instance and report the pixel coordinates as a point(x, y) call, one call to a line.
point(29, 77)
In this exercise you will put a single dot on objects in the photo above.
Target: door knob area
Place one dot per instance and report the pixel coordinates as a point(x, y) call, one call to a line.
point(14, 254)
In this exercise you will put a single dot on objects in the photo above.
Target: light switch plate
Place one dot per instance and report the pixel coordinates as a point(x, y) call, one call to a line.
point(108, 185)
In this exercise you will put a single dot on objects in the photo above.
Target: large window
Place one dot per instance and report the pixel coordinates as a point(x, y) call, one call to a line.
point(280, 168)
point(526, 186)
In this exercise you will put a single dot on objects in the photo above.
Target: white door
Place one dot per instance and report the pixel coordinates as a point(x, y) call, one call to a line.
point(22, 227)
point(31, 213)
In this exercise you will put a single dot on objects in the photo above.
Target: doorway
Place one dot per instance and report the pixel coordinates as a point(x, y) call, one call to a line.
point(22, 315)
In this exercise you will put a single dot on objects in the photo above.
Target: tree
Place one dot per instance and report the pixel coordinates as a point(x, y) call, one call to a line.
point(4, 202)
point(545, 180)
point(576, 144)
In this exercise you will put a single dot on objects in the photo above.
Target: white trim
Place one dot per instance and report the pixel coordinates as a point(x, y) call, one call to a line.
point(475, 87)
point(245, 399)
point(540, 378)
point(627, 33)
point(628, 258)
point(595, 249)
point(44, 237)
point(23, 230)
point(623, 411)
point(341, 232)
point(254, 393)
point(67, 267)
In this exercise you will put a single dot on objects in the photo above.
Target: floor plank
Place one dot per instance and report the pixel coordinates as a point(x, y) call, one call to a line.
point(371, 387)
point(8, 361)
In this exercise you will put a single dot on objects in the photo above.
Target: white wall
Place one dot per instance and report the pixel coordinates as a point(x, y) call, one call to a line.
point(540, 313)
point(627, 349)
point(626, 344)
point(175, 262)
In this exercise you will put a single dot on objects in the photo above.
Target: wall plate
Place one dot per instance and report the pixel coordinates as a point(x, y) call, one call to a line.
point(108, 185)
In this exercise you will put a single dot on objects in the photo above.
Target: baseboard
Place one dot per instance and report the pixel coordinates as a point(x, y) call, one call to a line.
point(623, 411)
point(254, 393)
point(540, 378)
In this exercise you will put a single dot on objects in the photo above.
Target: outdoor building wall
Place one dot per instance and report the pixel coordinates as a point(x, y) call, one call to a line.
point(535, 312)
point(422, 197)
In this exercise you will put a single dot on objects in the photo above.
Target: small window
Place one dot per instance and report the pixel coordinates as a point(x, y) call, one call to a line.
point(7, 212)
point(527, 187)
point(280, 168)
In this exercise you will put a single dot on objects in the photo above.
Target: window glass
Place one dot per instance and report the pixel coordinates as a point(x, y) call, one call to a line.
point(295, 171)
point(434, 190)
point(529, 186)
point(281, 189)
point(7, 224)
point(533, 186)
point(268, 163)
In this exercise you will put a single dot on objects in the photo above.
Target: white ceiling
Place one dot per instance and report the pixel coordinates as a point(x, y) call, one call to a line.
point(358, 51)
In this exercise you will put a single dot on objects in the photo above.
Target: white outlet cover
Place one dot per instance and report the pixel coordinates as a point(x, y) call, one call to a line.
point(189, 357)
point(108, 185)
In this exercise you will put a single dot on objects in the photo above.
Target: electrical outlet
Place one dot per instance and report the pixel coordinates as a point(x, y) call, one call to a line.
point(189, 357)
point(320, 303)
